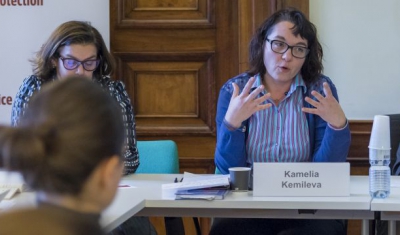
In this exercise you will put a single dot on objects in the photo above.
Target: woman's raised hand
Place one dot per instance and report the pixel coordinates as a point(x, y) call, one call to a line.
point(328, 108)
point(243, 105)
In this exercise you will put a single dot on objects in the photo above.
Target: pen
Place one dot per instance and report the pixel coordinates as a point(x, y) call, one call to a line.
point(176, 180)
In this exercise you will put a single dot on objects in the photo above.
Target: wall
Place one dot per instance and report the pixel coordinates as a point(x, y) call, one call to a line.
point(367, 77)
point(362, 53)
point(24, 28)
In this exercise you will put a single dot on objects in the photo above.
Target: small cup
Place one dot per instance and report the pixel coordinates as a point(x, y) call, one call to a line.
point(380, 134)
point(239, 177)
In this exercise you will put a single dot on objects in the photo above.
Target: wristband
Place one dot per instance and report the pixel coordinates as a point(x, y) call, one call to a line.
point(339, 129)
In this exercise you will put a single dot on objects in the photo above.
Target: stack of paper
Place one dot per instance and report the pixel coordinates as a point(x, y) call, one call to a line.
point(206, 194)
point(3, 193)
point(193, 186)
point(12, 182)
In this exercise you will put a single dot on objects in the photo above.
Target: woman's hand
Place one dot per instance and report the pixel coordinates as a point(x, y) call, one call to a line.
point(243, 105)
point(328, 108)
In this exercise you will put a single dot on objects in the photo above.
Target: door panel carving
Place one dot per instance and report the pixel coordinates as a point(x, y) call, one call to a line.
point(165, 13)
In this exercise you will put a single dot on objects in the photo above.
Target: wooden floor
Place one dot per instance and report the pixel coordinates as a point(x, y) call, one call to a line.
point(354, 227)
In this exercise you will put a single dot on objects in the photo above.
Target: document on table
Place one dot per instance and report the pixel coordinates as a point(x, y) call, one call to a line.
point(205, 194)
point(12, 182)
point(196, 182)
point(3, 193)
point(193, 181)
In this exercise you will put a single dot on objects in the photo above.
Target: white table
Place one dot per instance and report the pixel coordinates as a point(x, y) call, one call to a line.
point(244, 205)
point(389, 207)
point(145, 199)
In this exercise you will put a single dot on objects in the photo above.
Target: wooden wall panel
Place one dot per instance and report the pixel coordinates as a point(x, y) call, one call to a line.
point(165, 52)
point(360, 134)
point(165, 13)
point(163, 40)
point(171, 93)
point(174, 94)
point(302, 5)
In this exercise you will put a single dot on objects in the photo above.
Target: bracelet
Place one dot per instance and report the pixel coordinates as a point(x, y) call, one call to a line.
point(229, 126)
point(338, 129)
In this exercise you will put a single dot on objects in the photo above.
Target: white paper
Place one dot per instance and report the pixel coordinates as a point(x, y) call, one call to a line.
point(193, 181)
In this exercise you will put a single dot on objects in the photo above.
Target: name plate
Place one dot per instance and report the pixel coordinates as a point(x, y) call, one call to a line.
point(309, 179)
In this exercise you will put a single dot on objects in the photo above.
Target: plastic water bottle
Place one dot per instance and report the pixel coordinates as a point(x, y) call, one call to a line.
point(379, 181)
point(379, 173)
point(379, 157)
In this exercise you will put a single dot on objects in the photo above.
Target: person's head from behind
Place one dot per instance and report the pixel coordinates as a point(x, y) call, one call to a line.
point(69, 143)
point(284, 45)
point(74, 48)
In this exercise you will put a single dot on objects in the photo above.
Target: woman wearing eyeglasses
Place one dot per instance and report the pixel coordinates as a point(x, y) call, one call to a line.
point(77, 48)
point(283, 109)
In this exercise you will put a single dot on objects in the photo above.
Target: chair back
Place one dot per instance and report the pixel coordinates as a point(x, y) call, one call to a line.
point(394, 140)
point(161, 157)
point(158, 157)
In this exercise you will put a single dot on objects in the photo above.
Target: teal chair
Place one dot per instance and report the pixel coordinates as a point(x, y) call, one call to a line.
point(217, 171)
point(161, 157)
point(158, 157)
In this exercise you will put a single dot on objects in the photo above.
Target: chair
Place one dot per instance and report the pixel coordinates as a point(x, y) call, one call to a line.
point(158, 157)
point(394, 139)
point(161, 157)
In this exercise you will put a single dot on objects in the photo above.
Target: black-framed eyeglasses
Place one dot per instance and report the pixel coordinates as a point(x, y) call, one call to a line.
point(280, 47)
point(88, 65)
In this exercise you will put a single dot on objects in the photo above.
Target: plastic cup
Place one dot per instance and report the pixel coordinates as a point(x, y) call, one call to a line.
point(380, 134)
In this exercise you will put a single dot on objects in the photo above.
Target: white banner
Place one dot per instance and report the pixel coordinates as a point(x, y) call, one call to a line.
point(25, 25)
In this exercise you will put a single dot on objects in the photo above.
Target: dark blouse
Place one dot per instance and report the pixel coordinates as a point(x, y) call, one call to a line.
point(32, 84)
